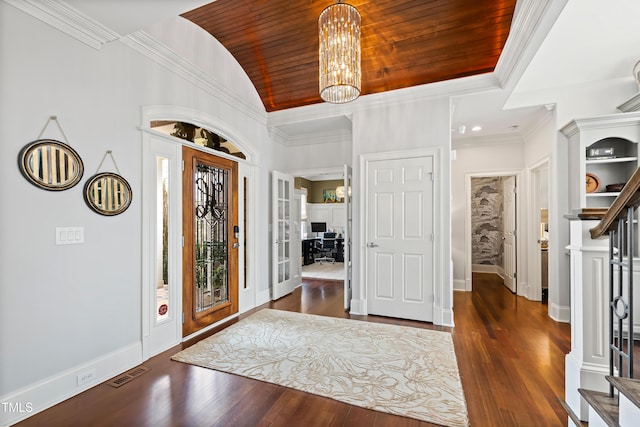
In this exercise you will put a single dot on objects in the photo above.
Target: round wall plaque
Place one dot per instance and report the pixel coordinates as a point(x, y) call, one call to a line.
point(108, 194)
point(50, 164)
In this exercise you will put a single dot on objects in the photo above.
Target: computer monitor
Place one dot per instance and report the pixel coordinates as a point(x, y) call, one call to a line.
point(318, 227)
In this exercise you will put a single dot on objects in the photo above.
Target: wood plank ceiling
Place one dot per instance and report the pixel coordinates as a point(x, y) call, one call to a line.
point(404, 42)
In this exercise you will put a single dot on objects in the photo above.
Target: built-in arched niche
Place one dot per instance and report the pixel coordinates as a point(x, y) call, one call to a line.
point(198, 135)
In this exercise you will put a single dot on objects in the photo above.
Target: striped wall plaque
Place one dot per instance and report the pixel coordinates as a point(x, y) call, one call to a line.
point(50, 164)
point(108, 193)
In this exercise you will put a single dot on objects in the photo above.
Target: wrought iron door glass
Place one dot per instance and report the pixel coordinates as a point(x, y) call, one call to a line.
point(211, 227)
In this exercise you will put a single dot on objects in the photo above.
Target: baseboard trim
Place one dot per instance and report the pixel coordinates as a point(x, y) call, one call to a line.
point(263, 297)
point(459, 285)
point(483, 268)
point(560, 313)
point(359, 307)
point(44, 394)
point(445, 318)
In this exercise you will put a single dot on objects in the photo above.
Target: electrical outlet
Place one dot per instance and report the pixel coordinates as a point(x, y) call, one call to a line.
point(86, 377)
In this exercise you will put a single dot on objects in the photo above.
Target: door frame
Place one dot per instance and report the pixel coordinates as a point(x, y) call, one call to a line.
point(247, 168)
point(192, 323)
point(535, 259)
point(154, 341)
point(442, 304)
point(520, 227)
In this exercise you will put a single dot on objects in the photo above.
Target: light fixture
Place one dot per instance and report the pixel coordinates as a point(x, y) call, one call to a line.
point(340, 192)
point(476, 128)
point(339, 52)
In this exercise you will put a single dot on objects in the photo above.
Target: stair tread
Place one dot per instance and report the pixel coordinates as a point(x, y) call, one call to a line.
point(627, 386)
point(605, 406)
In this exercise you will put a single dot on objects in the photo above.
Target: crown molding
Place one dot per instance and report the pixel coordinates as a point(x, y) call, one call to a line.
point(148, 46)
point(631, 105)
point(69, 20)
point(531, 23)
point(461, 86)
point(456, 87)
point(277, 135)
point(602, 122)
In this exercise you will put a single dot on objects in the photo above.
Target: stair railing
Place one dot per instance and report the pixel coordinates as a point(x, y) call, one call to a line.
point(618, 222)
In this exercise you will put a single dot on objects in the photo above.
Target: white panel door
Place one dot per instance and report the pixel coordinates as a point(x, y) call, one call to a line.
point(347, 236)
point(281, 249)
point(509, 238)
point(399, 238)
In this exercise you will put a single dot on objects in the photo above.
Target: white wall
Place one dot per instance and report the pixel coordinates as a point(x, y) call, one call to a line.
point(541, 145)
point(487, 158)
point(319, 156)
point(63, 307)
point(397, 127)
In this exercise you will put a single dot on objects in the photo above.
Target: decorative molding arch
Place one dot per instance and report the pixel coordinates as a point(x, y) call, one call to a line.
point(196, 117)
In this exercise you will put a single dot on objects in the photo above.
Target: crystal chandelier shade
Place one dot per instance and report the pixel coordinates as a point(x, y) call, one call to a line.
point(339, 52)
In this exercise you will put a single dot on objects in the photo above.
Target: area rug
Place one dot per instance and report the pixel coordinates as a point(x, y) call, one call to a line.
point(326, 270)
point(400, 370)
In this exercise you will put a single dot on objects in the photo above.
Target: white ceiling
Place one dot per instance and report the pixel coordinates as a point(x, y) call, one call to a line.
point(592, 40)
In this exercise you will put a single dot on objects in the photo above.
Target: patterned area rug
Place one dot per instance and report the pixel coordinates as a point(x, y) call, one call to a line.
point(395, 369)
point(326, 270)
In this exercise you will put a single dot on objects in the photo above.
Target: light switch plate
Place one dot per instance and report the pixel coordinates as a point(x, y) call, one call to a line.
point(69, 235)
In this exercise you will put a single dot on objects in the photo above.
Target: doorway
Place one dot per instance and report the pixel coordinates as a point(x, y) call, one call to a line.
point(493, 220)
point(162, 200)
point(539, 230)
point(327, 208)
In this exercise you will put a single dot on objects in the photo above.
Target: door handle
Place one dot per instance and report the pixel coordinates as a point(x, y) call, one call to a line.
point(235, 245)
point(371, 245)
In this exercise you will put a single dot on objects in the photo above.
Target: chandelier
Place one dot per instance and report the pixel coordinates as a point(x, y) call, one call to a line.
point(339, 32)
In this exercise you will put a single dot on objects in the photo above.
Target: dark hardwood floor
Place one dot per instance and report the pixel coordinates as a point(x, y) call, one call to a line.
point(510, 355)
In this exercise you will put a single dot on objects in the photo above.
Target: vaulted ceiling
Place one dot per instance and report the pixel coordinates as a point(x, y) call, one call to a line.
point(404, 42)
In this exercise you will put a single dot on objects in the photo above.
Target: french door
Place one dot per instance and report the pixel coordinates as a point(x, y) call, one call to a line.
point(283, 281)
point(210, 250)
point(348, 232)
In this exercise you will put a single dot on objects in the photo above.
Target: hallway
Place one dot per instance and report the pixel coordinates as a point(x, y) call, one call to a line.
point(510, 355)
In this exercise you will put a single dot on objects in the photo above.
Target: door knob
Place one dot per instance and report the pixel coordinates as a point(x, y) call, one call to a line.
point(371, 245)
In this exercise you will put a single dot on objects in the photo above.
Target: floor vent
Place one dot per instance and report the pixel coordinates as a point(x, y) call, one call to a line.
point(128, 376)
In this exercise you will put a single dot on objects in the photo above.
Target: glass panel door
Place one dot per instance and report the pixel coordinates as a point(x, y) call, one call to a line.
point(210, 258)
point(282, 187)
point(211, 286)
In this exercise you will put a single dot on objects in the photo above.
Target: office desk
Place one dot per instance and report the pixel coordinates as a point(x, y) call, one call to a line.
point(308, 250)
point(339, 249)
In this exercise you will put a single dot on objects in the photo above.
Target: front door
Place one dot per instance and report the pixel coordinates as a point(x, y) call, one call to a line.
point(399, 238)
point(210, 251)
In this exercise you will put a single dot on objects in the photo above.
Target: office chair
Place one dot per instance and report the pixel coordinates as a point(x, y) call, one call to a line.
point(326, 246)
